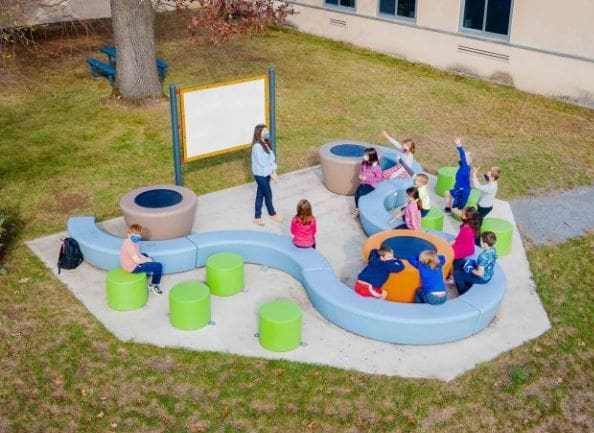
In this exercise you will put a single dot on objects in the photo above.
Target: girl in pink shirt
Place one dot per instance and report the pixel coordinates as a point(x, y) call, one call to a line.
point(463, 245)
point(370, 174)
point(132, 260)
point(303, 226)
point(412, 211)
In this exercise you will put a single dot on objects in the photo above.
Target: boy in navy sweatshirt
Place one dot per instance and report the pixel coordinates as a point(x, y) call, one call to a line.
point(379, 266)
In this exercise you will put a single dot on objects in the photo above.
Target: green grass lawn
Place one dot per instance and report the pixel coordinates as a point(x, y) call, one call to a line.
point(66, 150)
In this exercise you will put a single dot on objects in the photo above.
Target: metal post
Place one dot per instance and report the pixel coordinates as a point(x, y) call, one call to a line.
point(272, 107)
point(175, 136)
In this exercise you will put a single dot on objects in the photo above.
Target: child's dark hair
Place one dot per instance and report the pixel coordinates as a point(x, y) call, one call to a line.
point(413, 192)
point(471, 217)
point(372, 155)
point(489, 238)
point(304, 211)
point(258, 137)
point(384, 249)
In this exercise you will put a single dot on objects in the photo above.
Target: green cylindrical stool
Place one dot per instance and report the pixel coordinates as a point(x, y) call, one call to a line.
point(224, 274)
point(473, 199)
point(126, 291)
point(446, 177)
point(504, 231)
point(189, 305)
point(279, 326)
point(433, 220)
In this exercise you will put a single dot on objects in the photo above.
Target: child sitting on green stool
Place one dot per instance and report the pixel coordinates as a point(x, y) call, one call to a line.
point(133, 261)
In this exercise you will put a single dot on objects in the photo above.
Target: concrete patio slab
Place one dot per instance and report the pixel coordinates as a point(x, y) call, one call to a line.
point(340, 239)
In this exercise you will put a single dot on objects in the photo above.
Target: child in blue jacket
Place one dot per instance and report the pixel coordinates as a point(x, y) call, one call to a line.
point(430, 267)
point(379, 266)
point(458, 196)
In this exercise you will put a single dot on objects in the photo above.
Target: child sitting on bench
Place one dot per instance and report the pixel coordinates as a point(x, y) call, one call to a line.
point(407, 157)
point(379, 266)
point(132, 260)
point(482, 271)
point(430, 267)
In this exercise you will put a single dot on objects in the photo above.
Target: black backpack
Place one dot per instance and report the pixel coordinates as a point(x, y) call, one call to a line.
point(70, 256)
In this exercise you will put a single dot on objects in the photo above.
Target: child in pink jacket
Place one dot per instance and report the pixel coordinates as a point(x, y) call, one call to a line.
point(463, 245)
point(303, 226)
point(370, 174)
point(411, 213)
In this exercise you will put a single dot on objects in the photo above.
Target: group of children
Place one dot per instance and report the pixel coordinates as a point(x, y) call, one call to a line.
point(381, 262)
point(466, 272)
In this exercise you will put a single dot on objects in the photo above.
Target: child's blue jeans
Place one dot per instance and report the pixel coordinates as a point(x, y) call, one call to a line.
point(428, 298)
point(152, 268)
point(465, 281)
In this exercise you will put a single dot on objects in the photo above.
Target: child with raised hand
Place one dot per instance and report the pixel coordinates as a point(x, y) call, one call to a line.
point(421, 181)
point(380, 264)
point(411, 213)
point(430, 267)
point(487, 190)
point(132, 260)
point(458, 196)
point(303, 226)
point(485, 264)
point(407, 151)
point(370, 174)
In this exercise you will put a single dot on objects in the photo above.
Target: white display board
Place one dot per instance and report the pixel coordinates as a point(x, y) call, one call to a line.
point(219, 118)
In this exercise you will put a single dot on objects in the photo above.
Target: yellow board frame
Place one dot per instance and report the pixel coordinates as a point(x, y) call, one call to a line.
point(209, 86)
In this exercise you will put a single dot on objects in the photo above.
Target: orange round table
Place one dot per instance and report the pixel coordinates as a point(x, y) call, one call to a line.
point(401, 286)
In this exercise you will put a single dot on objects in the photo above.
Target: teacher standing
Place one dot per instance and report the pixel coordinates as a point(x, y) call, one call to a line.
point(263, 169)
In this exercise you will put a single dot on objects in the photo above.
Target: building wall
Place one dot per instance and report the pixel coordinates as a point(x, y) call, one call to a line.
point(537, 58)
point(565, 26)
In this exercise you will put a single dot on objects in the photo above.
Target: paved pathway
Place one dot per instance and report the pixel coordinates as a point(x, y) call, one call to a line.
point(555, 217)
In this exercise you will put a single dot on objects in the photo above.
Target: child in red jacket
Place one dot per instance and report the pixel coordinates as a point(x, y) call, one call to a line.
point(303, 226)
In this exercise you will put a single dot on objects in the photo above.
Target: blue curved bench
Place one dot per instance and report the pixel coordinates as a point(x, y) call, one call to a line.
point(380, 320)
point(102, 249)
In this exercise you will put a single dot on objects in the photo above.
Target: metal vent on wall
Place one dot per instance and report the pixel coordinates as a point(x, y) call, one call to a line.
point(483, 53)
point(339, 23)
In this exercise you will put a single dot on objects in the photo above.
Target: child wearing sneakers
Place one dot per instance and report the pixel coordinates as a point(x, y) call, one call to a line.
point(488, 190)
point(370, 174)
point(411, 212)
point(485, 263)
point(132, 260)
point(458, 196)
point(379, 266)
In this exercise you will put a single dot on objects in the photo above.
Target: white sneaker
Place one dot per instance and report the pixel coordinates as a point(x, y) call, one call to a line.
point(155, 289)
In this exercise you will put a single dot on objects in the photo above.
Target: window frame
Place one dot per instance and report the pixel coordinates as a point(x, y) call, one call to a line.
point(340, 7)
point(397, 17)
point(484, 33)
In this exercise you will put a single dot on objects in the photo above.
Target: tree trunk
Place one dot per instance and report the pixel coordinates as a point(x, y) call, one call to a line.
point(134, 36)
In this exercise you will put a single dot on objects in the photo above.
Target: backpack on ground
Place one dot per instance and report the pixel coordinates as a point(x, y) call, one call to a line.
point(70, 256)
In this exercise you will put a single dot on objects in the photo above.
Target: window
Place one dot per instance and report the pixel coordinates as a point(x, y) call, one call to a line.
point(398, 8)
point(489, 16)
point(342, 3)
